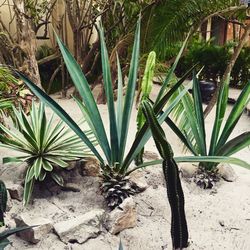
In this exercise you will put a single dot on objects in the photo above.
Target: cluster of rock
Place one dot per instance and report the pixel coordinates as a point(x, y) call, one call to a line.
point(79, 228)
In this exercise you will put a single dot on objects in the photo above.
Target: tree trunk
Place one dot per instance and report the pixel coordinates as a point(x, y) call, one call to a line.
point(229, 68)
point(27, 42)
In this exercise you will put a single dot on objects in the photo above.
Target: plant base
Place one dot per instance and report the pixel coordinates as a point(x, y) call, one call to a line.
point(206, 179)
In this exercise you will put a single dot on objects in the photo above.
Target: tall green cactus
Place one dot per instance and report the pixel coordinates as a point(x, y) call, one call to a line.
point(3, 202)
point(179, 230)
point(146, 87)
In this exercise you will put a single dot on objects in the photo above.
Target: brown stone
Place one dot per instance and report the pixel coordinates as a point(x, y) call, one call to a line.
point(35, 234)
point(122, 217)
point(91, 167)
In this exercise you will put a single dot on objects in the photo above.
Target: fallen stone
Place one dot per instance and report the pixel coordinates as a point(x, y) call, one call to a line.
point(227, 172)
point(90, 167)
point(138, 182)
point(33, 235)
point(81, 228)
point(122, 217)
point(188, 170)
point(15, 190)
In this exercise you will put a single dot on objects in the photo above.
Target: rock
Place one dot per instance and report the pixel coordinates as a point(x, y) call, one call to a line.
point(227, 172)
point(33, 235)
point(81, 228)
point(148, 155)
point(138, 182)
point(122, 217)
point(15, 190)
point(91, 167)
point(188, 170)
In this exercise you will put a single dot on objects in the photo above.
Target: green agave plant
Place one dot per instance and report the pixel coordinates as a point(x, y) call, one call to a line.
point(45, 145)
point(192, 130)
point(179, 230)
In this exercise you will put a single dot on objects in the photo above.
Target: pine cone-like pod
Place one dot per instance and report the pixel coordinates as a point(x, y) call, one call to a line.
point(206, 179)
point(116, 189)
point(3, 201)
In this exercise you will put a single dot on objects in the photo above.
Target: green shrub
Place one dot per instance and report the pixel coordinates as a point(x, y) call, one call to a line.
point(212, 57)
point(215, 58)
point(241, 70)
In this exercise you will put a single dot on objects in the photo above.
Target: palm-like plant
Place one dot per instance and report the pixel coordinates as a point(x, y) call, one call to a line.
point(167, 22)
point(44, 145)
point(193, 132)
point(114, 163)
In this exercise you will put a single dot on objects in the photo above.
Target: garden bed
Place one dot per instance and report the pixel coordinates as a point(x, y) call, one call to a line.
point(217, 218)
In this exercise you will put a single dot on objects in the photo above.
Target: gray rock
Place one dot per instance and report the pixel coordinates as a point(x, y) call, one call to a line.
point(81, 228)
point(227, 172)
point(33, 235)
point(122, 217)
point(15, 190)
point(188, 170)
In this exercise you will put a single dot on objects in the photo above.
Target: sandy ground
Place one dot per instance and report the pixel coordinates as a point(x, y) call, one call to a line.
point(217, 219)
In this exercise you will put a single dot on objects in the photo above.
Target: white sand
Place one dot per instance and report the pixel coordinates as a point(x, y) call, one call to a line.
point(206, 210)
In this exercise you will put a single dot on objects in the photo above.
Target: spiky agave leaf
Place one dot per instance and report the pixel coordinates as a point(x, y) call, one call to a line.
point(5, 234)
point(46, 146)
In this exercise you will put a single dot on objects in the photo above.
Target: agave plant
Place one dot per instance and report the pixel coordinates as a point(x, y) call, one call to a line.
point(113, 161)
point(192, 130)
point(45, 146)
point(179, 230)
